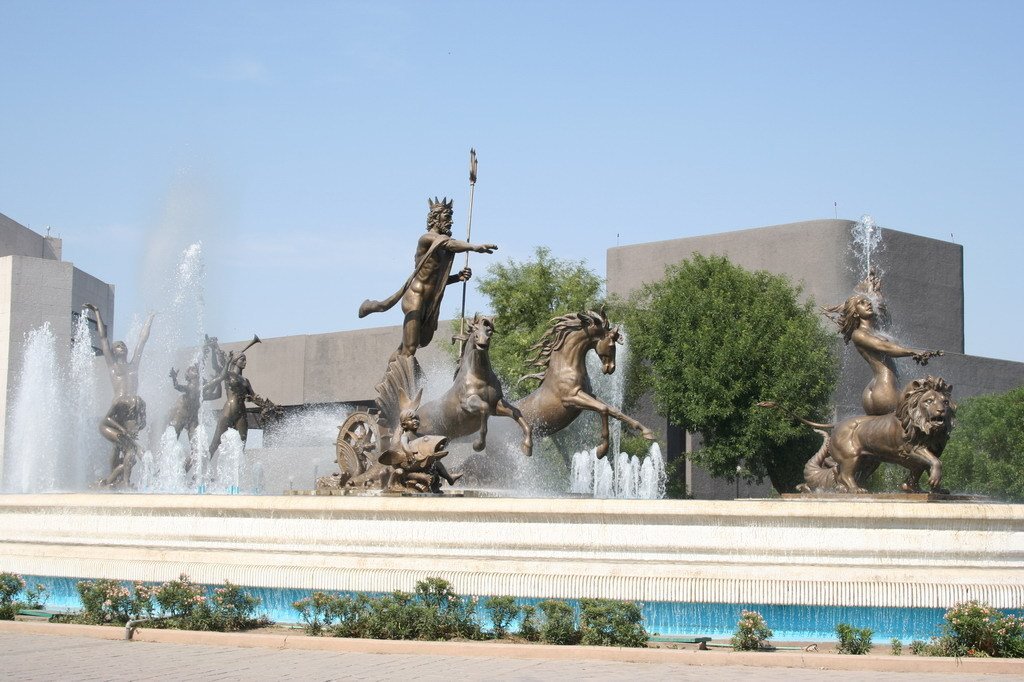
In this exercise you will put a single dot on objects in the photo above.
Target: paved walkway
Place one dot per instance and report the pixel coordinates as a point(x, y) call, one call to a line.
point(49, 657)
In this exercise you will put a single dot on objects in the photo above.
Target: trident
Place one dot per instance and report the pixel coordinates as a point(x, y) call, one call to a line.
point(469, 232)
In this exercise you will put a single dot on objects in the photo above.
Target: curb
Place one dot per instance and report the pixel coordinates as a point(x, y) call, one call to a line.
point(680, 657)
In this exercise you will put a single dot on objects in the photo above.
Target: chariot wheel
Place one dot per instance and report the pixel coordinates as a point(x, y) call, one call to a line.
point(359, 442)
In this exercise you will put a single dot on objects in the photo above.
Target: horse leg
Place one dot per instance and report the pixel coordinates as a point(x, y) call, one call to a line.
point(503, 408)
point(474, 404)
point(589, 402)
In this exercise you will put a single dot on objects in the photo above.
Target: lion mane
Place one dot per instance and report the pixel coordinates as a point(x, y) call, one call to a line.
point(913, 437)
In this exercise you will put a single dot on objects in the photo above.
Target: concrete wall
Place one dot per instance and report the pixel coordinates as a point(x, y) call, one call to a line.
point(18, 240)
point(922, 277)
point(339, 367)
point(37, 287)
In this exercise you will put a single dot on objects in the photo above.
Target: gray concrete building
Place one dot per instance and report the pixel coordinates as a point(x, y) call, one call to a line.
point(38, 287)
point(922, 284)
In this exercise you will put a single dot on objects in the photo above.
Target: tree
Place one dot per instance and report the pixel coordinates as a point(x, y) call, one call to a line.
point(985, 453)
point(524, 297)
point(710, 341)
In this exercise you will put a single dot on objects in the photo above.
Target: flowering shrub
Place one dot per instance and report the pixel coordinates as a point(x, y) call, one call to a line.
point(976, 629)
point(752, 632)
point(179, 604)
point(11, 585)
point(110, 601)
point(856, 641)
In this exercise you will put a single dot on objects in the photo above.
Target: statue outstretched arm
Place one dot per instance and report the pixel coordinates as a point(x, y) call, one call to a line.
point(213, 389)
point(459, 246)
point(143, 338)
point(102, 331)
point(880, 344)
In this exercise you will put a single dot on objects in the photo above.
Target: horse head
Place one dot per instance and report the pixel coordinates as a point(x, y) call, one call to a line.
point(481, 328)
point(607, 338)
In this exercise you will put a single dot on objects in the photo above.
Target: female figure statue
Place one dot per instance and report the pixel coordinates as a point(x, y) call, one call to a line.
point(127, 413)
point(234, 414)
point(857, 320)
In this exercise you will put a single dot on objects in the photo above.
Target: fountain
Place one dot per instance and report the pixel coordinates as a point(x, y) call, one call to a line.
point(693, 564)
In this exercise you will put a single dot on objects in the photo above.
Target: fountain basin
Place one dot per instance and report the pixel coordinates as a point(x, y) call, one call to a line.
point(813, 552)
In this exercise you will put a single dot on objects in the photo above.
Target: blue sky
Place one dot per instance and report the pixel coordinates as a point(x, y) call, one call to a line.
point(300, 140)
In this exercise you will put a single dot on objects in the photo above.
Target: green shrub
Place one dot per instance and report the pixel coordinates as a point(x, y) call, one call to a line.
point(752, 633)
point(559, 626)
point(10, 585)
point(529, 629)
point(853, 640)
point(434, 612)
point(605, 622)
point(315, 612)
point(896, 646)
point(503, 611)
point(445, 615)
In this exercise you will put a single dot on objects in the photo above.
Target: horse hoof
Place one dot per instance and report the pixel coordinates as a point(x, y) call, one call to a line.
point(648, 434)
point(602, 450)
point(479, 445)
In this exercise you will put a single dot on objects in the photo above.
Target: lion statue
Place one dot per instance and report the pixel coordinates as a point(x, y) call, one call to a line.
point(913, 437)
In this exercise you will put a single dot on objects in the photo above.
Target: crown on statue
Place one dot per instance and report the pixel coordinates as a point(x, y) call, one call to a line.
point(445, 204)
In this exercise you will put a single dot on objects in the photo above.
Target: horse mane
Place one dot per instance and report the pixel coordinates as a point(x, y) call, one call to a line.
point(560, 329)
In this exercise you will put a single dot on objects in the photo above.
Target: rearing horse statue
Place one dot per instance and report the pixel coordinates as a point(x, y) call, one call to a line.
point(565, 389)
point(475, 396)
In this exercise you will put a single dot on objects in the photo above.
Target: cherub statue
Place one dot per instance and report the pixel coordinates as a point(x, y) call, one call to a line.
point(417, 459)
point(184, 416)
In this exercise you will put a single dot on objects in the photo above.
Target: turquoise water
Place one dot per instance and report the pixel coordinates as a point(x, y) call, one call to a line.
point(789, 622)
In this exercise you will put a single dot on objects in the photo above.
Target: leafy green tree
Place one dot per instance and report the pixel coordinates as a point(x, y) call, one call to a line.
point(985, 453)
point(524, 296)
point(710, 341)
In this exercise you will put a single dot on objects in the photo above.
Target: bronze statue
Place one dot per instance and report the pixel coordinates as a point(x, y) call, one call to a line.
point(127, 413)
point(565, 389)
point(184, 415)
point(422, 292)
point(234, 414)
point(475, 395)
point(857, 319)
point(401, 461)
point(913, 436)
point(357, 449)
point(416, 460)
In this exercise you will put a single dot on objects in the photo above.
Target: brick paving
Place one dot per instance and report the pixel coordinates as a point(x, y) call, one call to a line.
point(50, 657)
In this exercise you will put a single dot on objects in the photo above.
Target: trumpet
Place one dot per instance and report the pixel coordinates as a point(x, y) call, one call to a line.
point(255, 340)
